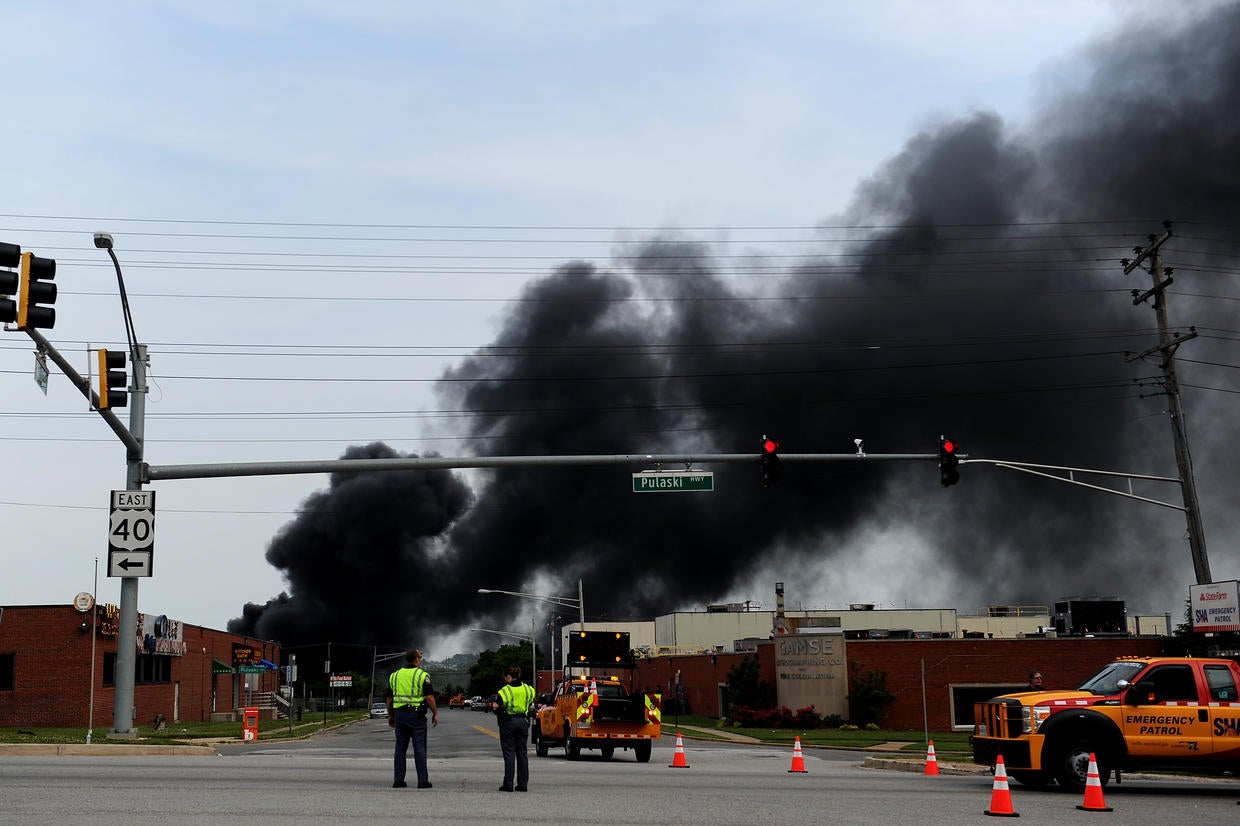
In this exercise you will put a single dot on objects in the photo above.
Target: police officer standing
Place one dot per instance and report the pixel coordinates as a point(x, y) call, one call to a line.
point(511, 706)
point(409, 695)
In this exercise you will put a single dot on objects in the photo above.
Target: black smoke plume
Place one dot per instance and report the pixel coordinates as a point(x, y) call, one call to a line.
point(973, 289)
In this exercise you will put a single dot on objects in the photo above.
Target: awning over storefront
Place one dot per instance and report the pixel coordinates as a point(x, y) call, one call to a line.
point(218, 667)
point(269, 665)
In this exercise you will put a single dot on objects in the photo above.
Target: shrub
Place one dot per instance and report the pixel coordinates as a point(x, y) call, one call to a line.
point(806, 718)
point(868, 697)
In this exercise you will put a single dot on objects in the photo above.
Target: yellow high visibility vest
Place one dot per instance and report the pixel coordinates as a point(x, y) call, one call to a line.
point(517, 698)
point(407, 685)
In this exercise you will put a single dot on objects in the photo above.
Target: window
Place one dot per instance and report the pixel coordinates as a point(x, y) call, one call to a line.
point(1222, 685)
point(1172, 683)
point(148, 669)
point(6, 671)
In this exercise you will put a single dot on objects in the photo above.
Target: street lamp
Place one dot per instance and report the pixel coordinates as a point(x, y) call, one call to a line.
point(533, 648)
point(566, 602)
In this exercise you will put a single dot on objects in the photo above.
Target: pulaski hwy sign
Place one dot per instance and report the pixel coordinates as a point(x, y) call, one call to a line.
point(673, 481)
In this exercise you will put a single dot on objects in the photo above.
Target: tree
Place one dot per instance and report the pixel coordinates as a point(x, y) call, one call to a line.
point(486, 676)
point(747, 688)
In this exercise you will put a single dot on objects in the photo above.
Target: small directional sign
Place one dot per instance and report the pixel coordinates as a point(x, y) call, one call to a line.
point(131, 533)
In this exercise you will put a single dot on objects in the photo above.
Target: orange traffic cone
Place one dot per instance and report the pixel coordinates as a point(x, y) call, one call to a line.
point(1093, 790)
point(678, 760)
point(798, 761)
point(932, 762)
point(1000, 796)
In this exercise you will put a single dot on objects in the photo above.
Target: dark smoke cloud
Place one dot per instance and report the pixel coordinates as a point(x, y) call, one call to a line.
point(986, 302)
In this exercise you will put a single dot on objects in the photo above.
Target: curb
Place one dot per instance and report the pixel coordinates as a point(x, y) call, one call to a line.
point(919, 766)
point(98, 750)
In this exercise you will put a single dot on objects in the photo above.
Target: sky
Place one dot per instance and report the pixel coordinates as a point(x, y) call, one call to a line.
point(548, 228)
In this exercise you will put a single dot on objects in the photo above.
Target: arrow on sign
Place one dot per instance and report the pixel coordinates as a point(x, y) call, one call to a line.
point(128, 563)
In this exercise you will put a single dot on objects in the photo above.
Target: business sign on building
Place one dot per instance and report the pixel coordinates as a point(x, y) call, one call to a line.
point(1215, 606)
point(245, 655)
point(159, 635)
point(811, 670)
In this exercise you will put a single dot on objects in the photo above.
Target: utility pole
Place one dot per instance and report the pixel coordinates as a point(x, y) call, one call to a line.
point(1168, 343)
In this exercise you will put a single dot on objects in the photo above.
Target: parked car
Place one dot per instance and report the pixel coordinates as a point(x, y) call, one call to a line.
point(378, 710)
point(457, 701)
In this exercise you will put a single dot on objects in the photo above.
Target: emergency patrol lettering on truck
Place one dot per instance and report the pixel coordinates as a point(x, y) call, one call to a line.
point(1136, 713)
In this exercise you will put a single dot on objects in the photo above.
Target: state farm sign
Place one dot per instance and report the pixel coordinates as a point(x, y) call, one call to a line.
point(1215, 606)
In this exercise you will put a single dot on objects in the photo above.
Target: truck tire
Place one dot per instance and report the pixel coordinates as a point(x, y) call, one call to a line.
point(642, 750)
point(1071, 765)
point(572, 748)
point(608, 751)
point(540, 748)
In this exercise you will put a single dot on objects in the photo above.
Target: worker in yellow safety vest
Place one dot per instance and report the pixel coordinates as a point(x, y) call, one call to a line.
point(410, 694)
point(512, 706)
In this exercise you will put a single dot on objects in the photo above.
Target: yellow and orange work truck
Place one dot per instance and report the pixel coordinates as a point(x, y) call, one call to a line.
point(598, 705)
point(1136, 713)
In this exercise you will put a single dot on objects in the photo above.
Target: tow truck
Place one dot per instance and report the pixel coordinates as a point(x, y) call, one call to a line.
point(598, 704)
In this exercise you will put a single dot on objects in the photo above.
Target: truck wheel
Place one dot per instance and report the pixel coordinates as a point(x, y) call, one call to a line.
point(540, 748)
point(608, 751)
point(642, 750)
point(572, 748)
point(1072, 766)
point(1030, 779)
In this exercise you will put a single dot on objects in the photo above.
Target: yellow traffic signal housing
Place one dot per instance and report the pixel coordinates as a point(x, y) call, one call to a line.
point(112, 379)
point(36, 290)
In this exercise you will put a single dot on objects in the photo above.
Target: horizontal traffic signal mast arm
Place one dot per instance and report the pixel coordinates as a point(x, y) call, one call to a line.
point(1041, 470)
point(132, 445)
point(155, 473)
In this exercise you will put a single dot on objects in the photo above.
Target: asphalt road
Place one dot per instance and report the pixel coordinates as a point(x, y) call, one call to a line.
point(345, 776)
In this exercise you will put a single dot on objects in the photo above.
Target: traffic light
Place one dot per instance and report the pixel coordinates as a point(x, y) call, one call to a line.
point(10, 256)
point(36, 290)
point(948, 474)
point(770, 461)
point(112, 379)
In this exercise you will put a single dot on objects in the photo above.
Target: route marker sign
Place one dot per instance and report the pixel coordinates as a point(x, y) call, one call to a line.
point(674, 481)
point(131, 533)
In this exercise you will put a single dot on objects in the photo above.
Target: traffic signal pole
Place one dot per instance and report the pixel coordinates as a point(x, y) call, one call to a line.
point(133, 447)
point(127, 646)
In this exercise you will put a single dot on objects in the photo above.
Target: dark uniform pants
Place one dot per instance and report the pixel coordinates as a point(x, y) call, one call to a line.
point(410, 725)
point(513, 733)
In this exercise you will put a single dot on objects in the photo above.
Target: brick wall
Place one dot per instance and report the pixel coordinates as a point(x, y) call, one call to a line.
point(52, 672)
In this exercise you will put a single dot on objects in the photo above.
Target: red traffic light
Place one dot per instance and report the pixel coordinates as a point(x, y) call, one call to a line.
point(769, 446)
point(949, 446)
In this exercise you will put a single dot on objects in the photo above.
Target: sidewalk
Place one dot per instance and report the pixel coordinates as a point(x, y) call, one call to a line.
point(716, 733)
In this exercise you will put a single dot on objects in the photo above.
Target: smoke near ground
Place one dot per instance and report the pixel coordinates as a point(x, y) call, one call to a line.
point(973, 288)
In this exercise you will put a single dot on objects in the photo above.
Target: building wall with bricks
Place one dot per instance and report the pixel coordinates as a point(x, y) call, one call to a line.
point(45, 671)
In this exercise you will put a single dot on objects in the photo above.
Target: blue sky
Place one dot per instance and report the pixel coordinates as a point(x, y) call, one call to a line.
point(293, 147)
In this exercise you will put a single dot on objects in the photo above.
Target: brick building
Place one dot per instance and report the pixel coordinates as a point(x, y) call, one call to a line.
point(957, 672)
point(182, 671)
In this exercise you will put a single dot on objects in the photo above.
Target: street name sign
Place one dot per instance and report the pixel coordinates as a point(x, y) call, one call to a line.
point(674, 481)
point(131, 533)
